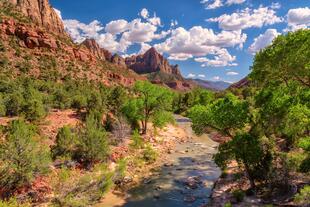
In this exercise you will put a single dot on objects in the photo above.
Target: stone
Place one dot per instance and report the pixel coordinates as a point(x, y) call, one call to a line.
point(189, 199)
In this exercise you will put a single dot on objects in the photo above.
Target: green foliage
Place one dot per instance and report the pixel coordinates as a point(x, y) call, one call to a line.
point(2, 106)
point(93, 143)
point(150, 100)
point(238, 195)
point(120, 171)
point(12, 202)
point(303, 198)
point(137, 141)
point(149, 154)
point(226, 114)
point(287, 58)
point(162, 118)
point(198, 96)
point(251, 152)
point(22, 156)
point(66, 143)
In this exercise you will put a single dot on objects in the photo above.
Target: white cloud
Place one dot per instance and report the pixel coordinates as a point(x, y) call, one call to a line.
point(144, 13)
point(154, 20)
point(216, 78)
point(247, 18)
point(144, 47)
point(80, 31)
point(275, 5)
point(214, 4)
point(118, 35)
point(58, 12)
point(232, 73)
point(230, 2)
point(191, 75)
point(116, 27)
point(221, 58)
point(263, 40)
point(180, 56)
point(298, 18)
point(174, 23)
point(201, 76)
point(198, 41)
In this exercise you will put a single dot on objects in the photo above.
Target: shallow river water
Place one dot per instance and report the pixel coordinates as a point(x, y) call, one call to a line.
point(168, 187)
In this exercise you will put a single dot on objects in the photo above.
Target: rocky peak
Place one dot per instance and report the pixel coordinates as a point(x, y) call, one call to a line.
point(41, 13)
point(99, 52)
point(151, 61)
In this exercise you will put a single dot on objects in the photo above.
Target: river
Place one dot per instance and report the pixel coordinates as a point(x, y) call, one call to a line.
point(186, 177)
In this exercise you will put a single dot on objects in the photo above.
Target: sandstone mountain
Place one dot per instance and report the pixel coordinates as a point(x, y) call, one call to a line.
point(41, 13)
point(151, 61)
point(99, 52)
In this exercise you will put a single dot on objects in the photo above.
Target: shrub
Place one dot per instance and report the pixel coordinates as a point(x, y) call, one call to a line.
point(66, 143)
point(238, 195)
point(2, 106)
point(14, 104)
point(34, 110)
point(162, 118)
point(22, 156)
point(149, 154)
point(137, 141)
point(303, 198)
point(93, 143)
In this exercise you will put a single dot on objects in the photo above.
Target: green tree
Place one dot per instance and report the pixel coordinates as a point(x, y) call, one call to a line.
point(93, 141)
point(149, 100)
point(66, 143)
point(2, 106)
point(22, 156)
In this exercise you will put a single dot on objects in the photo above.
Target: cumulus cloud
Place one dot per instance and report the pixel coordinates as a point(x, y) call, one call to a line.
point(201, 76)
point(213, 4)
point(80, 31)
point(191, 75)
point(116, 27)
point(198, 41)
point(298, 18)
point(221, 58)
point(232, 73)
point(247, 18)
point(120, 34)
point(263, 40)
point(144, 13)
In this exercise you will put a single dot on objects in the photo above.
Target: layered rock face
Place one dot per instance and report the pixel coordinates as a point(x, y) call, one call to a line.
point(41, 13)
point(99, 52)
point(151, 61)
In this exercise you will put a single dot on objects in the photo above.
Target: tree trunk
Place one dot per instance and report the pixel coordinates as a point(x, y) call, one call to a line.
point(252, 183)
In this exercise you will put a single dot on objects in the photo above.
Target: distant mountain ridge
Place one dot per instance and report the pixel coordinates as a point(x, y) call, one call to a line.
point(212, 85)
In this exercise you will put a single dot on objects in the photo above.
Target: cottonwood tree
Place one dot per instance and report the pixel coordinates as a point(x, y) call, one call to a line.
point(148, 101)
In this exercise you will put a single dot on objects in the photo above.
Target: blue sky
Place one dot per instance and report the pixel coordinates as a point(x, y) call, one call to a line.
point(209, 39)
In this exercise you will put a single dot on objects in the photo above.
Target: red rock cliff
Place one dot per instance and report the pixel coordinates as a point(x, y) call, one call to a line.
point(41, 13)
point(151, 61)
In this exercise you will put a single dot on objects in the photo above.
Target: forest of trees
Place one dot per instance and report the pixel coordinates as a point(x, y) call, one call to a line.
point(274, 109)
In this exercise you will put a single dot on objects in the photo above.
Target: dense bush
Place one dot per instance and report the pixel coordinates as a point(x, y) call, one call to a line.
point(66, 143)
point(22, 156)
point(93, 143)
